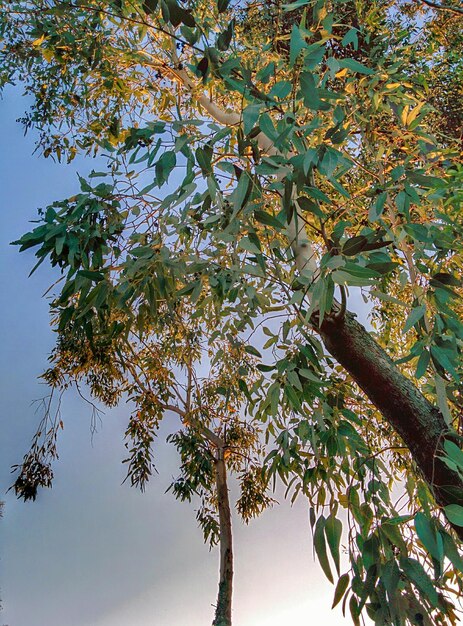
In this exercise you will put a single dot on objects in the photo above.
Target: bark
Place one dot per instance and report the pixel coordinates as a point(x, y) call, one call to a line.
point(224, 598)
point(420, 424)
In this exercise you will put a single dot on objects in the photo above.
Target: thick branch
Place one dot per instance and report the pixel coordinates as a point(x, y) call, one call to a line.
point(421, 425)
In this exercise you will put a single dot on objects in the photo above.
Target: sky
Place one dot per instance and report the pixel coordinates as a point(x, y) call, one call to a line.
point(92, 551)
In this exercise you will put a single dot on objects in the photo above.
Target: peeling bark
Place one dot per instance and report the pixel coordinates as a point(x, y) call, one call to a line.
point(420, 424)
point(224, 598)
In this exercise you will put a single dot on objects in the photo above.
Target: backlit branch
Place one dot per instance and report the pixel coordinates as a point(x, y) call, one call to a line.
point(443, 7)
point(296, 231)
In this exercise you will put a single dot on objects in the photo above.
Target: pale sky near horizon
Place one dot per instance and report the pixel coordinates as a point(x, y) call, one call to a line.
point(91, 551)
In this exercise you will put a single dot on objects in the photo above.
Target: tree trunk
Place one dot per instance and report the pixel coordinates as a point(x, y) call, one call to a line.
point(224, 598)
point(420, 424)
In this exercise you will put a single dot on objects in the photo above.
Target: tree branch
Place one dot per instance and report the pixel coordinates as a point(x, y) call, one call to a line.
point(421, 425)
point(442, 7)
point(296, 231)
point(224, 599)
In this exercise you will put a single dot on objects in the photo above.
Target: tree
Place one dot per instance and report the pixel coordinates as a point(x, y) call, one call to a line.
point(320, 146)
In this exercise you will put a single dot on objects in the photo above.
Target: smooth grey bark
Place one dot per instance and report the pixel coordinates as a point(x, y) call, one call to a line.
point(224, 598)
point(420, 424)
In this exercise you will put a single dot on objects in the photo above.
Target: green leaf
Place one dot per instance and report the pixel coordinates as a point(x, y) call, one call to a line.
point(188, 289)
point(415, 315)
point(95, 276)
point(341, 277)
point(454, 453)
point(313, 55)
point(443, 359)
point(369, 585)
point(309, 91)
point(297, 43)
point(222, 5)
point(393, 534)
point(269, 220)
point(390, 576)
point(422, 364)
point(274, 395)
point(446, 279)
point(377, 209)
point(427, 535)
point(320, 547)
point(150, 6)
point(164, 167)
point(281, 90)
point(292, 6)
point(310, 159)
point(354, 610)
point(224, 39)
point(451, 551)
point(387, 298)
point(418, 576)
point(191, 35)
point(267, 127)
point(202, 68)
point(417, 231)
point(144, 252)
point(246, 244)
point(318, 194)
point(383, 268)
point(355, 66)
point(294, 379)
point(333, 531)
point(253, 351)
point(203, 158)
point(310, 206)
point(250, 117)
point(427, 182)
point(242, 191)
point(351, 37)
point(178, 14)
point(293, 397)
point(454, 513)
point(84, 186)
point(329, 162)
point(340, 590)
point(354, 245)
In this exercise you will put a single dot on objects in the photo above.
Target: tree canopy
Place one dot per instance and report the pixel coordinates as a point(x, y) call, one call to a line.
point(267, 162)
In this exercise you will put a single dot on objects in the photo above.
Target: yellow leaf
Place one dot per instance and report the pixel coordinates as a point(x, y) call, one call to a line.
point(404, 114)
point(343, 500)
point(47, 54)
point(38, 41)
point(414, 112)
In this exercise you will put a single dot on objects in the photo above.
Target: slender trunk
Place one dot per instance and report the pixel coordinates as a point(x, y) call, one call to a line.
point(224, 598)
point(420, 424)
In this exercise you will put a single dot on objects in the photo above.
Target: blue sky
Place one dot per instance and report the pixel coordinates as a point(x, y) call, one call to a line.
point(91, 551)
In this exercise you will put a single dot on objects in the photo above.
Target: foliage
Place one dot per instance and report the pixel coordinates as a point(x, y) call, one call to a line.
point(340, 116)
